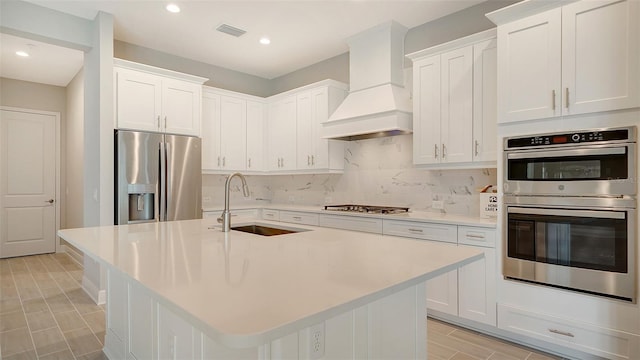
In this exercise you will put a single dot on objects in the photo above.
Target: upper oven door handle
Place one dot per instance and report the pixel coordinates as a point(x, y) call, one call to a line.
point(563, 212)
point(533, 154)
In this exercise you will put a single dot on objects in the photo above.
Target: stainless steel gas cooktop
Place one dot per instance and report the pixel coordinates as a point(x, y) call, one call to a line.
point(368, 209)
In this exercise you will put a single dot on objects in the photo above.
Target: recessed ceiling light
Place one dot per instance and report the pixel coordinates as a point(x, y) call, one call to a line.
point(22, 53)
point(173, 8)
point(265, 40)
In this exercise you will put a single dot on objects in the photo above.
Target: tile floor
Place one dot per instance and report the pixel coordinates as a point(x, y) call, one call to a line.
point(44, 314)
point(449, 342)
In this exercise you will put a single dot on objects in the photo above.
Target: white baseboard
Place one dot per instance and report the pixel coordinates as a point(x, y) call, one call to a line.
point(97, 295)
point(74, 253)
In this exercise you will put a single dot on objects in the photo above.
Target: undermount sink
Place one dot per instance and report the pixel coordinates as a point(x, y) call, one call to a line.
point(265, 230)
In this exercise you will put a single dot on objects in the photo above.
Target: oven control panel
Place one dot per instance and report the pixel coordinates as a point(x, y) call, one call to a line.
point(569, 138)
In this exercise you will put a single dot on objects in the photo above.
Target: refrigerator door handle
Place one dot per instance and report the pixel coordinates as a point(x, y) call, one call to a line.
point(167, 182)
point(162, 213)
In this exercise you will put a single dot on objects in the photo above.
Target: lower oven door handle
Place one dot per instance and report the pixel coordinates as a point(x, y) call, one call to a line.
point(534, 154)
point(575, 213)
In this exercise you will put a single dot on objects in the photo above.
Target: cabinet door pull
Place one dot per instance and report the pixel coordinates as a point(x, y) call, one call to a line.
point(444, 151)
point(560, 332)
point(297, 218)
point(476, 150)
point(158, 121)
point(218, 161)
point(282, 162)
point(249, 162)
point(473, 236)
point(165, 122)
point(308, 160)
point(566, 97)
point(553, 100)
point(313, 161)
point(224, 161)
point(435, 150)
point(415, 230)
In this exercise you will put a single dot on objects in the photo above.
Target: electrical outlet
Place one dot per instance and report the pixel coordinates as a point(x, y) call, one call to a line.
point(316, 341)
point(437, 204)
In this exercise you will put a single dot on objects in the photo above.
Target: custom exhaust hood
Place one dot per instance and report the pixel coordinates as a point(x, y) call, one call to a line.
point(377, 104)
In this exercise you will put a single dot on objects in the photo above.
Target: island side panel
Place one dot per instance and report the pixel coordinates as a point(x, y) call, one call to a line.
point(392, 327)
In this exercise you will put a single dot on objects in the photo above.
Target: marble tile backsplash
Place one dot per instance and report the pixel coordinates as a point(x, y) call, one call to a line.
point(377, 172)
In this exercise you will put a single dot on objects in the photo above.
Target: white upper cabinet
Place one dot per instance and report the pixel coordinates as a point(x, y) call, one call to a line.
point(181, 107)
point(426, 105)
point(600, 59)
point(281, 134)
point(232, 131)
point(210, 131)
point(485, 90)
point(529, 63)
point(456, 100)
point(576, 59)
point(304, 128)
point(153, 99)
point(295, 127)
point(138, 100)
point(454, 95)
point(255, 135)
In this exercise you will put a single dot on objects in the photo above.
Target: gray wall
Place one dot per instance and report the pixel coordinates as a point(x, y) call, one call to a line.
point(218, 77)
point(336, 68)
point(34, 96)
point(457, 25)
point(75, 152)
point(460, 24)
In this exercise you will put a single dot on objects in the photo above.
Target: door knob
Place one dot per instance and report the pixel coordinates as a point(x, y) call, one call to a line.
point(50, 201)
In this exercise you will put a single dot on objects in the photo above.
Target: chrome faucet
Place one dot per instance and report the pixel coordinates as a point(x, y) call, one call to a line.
point(225, 218)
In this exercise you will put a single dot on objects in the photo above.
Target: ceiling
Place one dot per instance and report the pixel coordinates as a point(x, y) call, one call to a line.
point(302, 32)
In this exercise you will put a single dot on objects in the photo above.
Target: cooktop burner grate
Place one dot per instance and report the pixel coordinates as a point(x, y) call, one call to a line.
point(368, 209)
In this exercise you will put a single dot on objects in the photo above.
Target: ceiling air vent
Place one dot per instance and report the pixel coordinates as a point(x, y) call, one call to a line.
point(233, 31)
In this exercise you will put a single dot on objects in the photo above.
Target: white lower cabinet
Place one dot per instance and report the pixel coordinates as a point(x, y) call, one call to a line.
point(604, 342)
point(141, 325)
point(141, 318)
point(299, 217)
point(175, 336)
point(117, 322)
point(245, 213)
point(477, 289)
point(270, 214)
point(468, 292)
point(355, 223)
point(442, 293)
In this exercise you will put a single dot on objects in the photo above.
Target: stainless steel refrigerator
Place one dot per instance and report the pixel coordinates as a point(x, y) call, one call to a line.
point(158, 177)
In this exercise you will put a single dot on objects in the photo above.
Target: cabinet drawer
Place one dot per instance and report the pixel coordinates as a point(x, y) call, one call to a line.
point(608, 343)
point(355, 223)
point(299, 218)
point(245, 213)
point(476, 236)
point(268, 214)
point(425, 231)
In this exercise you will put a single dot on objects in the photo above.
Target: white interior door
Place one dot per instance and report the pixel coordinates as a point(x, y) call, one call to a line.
point(27, 183)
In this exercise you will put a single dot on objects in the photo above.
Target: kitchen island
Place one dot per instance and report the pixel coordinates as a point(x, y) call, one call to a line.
point(185, 289)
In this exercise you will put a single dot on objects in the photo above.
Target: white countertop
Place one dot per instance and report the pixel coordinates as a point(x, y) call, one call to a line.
point(243, 289)
point(418, 216)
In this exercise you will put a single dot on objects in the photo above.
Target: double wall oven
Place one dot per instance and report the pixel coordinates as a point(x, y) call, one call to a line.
point(570, 211)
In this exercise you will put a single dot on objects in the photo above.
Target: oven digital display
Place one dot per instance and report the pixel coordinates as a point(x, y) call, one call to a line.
point(559, 139)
